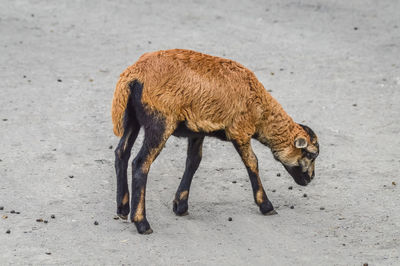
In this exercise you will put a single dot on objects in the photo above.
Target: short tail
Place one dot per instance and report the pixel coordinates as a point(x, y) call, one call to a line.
point(119, 105)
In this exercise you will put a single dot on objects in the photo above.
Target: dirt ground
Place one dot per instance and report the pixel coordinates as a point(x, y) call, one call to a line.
point(333, 65)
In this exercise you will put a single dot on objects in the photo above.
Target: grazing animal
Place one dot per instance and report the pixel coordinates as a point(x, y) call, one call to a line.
point(189, 94)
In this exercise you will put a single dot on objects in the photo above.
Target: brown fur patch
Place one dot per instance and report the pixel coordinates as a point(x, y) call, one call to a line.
point(151, 157)
point(140, 208)
point(248, 156)
point(311, 148)
point(149, 160)
point(170, 127)
point(311, 168)
point(183, 195)
point(125, 199)
point(259, 196)
point(127, 140)
point(119, 103)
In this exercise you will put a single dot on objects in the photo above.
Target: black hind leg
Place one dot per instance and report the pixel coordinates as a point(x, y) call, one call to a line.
point(122, 154)
point(156, 134)
point(194, 154)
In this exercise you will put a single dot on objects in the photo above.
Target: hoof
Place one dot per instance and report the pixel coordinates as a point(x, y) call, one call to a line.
point(180, 208)
point(266, 207)
point(123, 211)
point(143, 227)
point(148, 232)
point(273, 212)
point(183, 214)
point(123, 217)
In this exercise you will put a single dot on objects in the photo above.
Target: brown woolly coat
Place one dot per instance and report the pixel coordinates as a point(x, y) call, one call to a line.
point(209, 93)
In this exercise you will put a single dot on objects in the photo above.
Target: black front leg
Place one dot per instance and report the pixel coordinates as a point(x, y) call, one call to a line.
point(250, 160)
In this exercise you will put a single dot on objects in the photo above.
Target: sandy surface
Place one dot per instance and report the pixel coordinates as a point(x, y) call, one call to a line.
point(334, 66)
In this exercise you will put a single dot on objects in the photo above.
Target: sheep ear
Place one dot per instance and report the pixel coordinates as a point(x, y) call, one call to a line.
point(300, 143)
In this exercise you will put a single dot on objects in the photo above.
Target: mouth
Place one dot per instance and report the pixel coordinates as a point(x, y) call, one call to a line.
point(300, 177)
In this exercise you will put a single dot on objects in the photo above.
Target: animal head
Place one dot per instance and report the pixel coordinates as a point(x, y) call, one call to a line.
point(299, 157)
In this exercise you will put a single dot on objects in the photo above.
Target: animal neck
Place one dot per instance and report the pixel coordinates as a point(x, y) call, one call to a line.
point(276, 128)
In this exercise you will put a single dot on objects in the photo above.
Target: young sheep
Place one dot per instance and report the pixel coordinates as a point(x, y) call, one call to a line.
point(189, 94)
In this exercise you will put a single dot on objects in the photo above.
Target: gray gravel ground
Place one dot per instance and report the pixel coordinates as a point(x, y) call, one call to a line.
point(333, 65)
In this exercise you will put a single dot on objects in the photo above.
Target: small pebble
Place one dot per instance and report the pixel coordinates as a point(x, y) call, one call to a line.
point(53, 216)
point(17, 212)
point(71, 176)
point(343, 244)
point(278, 174)
point(45, 221)
point(234, 181)
point(59, 80)
point(355, 28)
point(290, 188)
point(365, 264)
point(96, 223)
point(110, 147)
point(230, 219)
point(8, 231)
point(1, 208)
point(5, 119)
point(322, 208)
point(12, 211)
point(304, 195)
point(393, 183)
point(40, 220)
point(4, 217)
point(116, 218)
point(272, 73)
point(24, 76)
point(274, 190)
point(292, 207)
point(354, 104)
point(48, 253)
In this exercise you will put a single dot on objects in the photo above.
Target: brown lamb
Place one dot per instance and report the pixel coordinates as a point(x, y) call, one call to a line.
point(190, 94)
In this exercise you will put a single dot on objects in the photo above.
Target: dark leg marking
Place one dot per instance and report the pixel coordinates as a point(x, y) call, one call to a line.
point(250, 160)
point(194, 154)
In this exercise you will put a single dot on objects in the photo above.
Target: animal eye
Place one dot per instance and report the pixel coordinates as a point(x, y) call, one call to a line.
point(310, 155)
